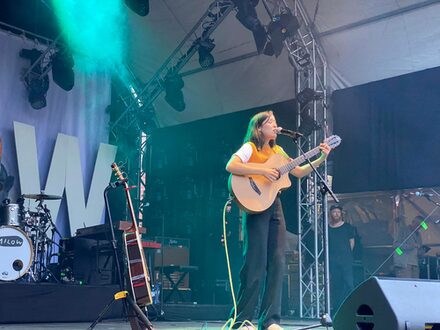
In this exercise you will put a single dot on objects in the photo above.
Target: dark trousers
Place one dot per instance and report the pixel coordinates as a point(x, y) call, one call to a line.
point(264, 248)
point(341, 283)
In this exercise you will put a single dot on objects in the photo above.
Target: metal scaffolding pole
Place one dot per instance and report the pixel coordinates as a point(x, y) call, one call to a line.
point(310, 66)
point(311, 71)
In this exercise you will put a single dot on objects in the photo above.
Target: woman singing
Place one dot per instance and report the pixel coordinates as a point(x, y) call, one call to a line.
point(264, 233)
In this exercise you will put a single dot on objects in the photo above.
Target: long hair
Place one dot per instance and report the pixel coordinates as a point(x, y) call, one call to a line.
point(253, 134)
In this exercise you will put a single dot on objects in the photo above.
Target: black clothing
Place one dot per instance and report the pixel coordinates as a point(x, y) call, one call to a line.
point(339, 243)
point(341, 263)
point(264, 248)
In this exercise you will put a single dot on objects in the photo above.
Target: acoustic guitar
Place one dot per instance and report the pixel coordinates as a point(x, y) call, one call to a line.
point(256, 193)
point(137, 267)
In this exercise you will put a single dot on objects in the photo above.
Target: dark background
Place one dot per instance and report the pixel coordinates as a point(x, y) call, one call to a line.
point(390, 132)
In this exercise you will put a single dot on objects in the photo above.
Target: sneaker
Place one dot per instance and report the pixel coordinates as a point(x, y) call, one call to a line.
point(274, 326)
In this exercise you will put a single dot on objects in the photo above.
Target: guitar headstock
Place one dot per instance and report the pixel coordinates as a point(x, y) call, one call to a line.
point(117, 171)
point(333, 141)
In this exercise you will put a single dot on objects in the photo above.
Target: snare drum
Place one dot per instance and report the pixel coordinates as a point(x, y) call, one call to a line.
point(16, 253)
point(10, 215)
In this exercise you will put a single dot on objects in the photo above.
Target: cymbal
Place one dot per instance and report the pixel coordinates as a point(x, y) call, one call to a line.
point(39, 197)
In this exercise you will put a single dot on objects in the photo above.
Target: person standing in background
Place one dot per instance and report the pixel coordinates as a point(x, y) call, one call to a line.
point(341, 238)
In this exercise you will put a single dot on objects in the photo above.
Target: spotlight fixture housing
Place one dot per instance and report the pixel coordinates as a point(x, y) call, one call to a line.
point(140, 7)
point(282, 26)
point(247, 16)
point(62, 69)
point(206, 60)
point(307, 95)
point(173, 88)
point(36, 84)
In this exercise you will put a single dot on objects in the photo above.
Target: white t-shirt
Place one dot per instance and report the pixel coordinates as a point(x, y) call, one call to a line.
point(245, 152)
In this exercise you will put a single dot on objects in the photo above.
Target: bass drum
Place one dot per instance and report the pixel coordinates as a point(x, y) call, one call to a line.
point(16, 253)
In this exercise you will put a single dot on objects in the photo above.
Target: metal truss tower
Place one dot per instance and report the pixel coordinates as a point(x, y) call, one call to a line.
point(138, 101)
point(309, 62)
point(311, 71)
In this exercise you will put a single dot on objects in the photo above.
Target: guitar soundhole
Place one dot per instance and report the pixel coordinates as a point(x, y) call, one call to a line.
point(254, 186)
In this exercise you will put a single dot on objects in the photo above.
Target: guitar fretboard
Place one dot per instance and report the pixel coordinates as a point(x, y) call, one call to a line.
point(297, 161)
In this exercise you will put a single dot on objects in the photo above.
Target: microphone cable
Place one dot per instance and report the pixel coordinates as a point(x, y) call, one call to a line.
point(231, 321)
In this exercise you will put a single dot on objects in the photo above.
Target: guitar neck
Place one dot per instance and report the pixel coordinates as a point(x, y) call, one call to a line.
point(130, 207)
point(297, 161)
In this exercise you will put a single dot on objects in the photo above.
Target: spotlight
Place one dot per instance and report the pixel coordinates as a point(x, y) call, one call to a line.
point(281, 27)
point(173, 89)
point(146, 120)
point(62, 69)
point(308, 124)
point(206, 60)
point(140, 7)
point(36, 84)
point(247, 16)
point(307, 95)
point(37, 89)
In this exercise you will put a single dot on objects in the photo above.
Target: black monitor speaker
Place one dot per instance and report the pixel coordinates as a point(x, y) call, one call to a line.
point(391, 304)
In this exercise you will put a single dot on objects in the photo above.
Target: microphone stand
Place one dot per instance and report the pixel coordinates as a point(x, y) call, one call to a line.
point(325, 319)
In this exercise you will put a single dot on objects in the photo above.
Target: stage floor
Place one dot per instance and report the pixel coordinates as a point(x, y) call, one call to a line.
point(159, 325)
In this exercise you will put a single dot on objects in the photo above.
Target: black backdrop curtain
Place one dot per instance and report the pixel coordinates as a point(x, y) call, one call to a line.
point(390, 131)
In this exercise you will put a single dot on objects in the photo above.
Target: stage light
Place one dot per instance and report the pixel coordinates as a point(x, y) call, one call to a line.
point(307, 95)
point(173, 89)
point(37, 89)
point(247, 16)
point(140, 7)
point(146, 119)
point(62, 69)
point(308, 124)
point(36, 84)
point(281, 27)
point(206, 60)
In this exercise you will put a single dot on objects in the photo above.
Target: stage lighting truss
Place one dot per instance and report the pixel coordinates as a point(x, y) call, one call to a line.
point(310, 65)
point(199, 35)
point(301, 45)
point(139, 112)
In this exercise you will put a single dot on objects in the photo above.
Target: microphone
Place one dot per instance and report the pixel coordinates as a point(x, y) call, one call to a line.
point(421, 193)
point(287, 132)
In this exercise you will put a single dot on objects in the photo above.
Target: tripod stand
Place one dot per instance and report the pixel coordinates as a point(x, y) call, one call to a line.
point(137, 318)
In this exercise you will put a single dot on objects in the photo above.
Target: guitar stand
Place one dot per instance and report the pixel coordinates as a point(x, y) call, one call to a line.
point(138, 320)
point(325, 321)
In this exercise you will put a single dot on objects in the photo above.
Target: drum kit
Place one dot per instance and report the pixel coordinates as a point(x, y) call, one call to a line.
point(26, 240)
